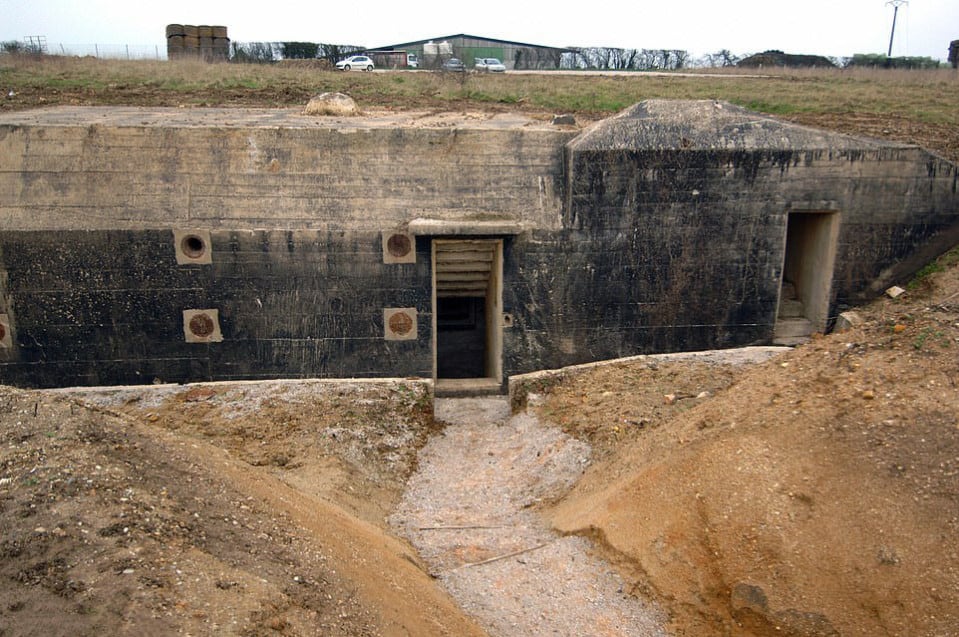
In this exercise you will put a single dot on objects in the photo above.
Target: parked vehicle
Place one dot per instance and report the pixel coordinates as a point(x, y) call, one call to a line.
point(491, 65)
point(356, 63)
point(455, 65)
point(393, 59)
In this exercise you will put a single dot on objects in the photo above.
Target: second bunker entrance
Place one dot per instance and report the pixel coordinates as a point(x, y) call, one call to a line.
point(467, 306)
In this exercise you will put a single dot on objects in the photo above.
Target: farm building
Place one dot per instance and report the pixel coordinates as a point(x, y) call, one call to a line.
point(515, 55)
point(224, 244)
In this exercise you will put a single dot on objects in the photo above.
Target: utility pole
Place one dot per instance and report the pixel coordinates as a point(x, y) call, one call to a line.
point(895, 11)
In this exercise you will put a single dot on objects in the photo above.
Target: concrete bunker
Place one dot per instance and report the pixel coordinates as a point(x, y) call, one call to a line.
point(140, 244)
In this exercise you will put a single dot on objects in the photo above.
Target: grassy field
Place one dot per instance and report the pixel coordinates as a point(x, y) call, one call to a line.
point(915, 106)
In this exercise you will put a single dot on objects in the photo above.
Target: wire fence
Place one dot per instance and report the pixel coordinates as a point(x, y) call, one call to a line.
point(109, 51)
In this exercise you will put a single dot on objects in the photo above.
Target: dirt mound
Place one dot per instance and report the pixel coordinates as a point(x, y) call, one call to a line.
point(816, 494)
point(111, 523)
point(789, 60)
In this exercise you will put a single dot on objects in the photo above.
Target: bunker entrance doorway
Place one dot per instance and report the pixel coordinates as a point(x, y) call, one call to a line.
point(807, 276)
point(467, 307)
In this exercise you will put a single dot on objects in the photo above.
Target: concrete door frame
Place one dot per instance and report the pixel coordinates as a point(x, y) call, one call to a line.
point(494, 307)
point(809, 258)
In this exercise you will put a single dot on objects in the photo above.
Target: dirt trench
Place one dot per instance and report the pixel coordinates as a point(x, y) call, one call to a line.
point(469, 510)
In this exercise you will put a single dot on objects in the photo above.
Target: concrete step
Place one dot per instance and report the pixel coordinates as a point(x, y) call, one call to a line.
point(467, 387)
point(792, 331)
point(791, 308)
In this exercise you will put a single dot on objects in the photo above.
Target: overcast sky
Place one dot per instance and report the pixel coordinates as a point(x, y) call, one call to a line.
point(826, 27)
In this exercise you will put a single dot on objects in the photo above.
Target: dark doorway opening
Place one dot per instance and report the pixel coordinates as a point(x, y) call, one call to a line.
point(461, 337)
point(807, 276)
point(467, 309)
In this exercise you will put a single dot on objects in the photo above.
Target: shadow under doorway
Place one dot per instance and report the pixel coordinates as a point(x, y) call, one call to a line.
point(461, 337)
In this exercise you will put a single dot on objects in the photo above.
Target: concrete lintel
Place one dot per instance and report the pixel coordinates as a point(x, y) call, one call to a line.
point(463, 227)
point(819, 205)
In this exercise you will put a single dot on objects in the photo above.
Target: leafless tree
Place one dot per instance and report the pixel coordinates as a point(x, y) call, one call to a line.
point(608, 58)
point(721, 58)
point(333, 53)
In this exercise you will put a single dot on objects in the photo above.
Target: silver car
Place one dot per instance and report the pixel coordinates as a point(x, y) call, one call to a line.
point(355, 63)
point(455, 65)
point(491, 65)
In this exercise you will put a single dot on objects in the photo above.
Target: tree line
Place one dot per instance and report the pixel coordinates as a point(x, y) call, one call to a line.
point(267, 52)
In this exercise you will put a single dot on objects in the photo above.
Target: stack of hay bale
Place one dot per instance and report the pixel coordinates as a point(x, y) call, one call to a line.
point(203, 42)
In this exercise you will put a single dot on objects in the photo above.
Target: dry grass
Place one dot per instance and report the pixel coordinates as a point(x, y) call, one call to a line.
point(922, 96)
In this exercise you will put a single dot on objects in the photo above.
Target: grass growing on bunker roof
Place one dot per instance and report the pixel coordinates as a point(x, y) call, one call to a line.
point(923, 96)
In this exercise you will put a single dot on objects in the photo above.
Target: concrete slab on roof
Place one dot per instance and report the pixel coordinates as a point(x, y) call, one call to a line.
point(709, 125)
point(131, 116)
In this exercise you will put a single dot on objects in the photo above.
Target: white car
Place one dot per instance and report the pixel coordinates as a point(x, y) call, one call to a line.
point(491, 65)
point(355, 63)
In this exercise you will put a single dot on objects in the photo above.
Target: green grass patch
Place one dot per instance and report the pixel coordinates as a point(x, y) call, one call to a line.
point(948, 260)
point(773, 108)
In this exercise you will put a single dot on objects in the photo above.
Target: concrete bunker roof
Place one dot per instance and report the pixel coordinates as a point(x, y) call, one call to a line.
point(652, 125)
point(708, 125)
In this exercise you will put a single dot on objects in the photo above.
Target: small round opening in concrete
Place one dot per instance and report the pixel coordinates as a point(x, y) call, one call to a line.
point(398, 245)
point(401, 323)
point(201, 325)
point(193, 246)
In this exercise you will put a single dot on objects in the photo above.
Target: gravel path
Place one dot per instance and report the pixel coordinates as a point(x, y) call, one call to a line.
point(467, 512)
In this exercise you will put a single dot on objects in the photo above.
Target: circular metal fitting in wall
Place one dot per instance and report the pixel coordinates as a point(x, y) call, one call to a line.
point(401, 323)
point(399, 245)
point(193, 246)
point(398, 248)
point(201, 325)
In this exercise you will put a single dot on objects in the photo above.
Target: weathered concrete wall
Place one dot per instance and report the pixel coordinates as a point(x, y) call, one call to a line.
point(293, 213)
point(106, 307)
point(127, 168)
point(674, 233)
point(217, 245)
